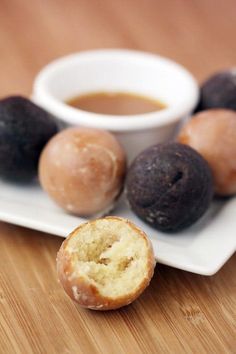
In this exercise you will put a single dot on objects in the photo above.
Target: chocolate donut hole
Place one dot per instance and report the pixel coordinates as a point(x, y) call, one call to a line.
point(219, 91)
point(169, 186)
point(24, 130)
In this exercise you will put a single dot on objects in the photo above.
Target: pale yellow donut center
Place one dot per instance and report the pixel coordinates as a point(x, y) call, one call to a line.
point(111, 255)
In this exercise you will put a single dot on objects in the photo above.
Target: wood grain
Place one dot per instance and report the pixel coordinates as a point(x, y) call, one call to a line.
point(180, 312)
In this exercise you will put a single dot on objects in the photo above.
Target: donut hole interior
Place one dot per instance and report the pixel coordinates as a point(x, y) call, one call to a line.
point(110, 255)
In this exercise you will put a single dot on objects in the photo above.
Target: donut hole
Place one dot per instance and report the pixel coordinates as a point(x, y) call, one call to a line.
point(177, 191)
point(111, 256)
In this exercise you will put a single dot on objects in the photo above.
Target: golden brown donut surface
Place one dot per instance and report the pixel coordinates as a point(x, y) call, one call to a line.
point(83, 170)
point(213, 134)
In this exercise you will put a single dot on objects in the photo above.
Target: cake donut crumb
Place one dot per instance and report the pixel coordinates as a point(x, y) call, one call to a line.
point(106, 263)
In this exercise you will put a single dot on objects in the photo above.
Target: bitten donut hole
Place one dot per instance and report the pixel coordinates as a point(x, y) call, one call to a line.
point(110, 256)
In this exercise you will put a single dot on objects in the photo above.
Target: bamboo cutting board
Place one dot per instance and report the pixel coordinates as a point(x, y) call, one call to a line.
point(180, 312)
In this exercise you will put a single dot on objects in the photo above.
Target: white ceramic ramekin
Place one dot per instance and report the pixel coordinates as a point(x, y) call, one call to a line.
point(119, 71)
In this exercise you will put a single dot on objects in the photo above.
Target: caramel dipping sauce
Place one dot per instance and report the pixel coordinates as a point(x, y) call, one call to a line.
point(116, 103)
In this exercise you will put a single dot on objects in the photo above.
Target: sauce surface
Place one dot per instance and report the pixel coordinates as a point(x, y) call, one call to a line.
point(117, 103)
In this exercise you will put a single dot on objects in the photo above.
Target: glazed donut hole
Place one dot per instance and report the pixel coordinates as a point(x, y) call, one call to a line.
point(83, 170)
point(212, 133)
point(105, 263)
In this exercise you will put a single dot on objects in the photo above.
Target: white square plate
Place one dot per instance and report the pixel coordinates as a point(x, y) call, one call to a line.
point(202, 248)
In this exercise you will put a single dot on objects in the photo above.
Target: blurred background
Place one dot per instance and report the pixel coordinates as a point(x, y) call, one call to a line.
point(199, 34)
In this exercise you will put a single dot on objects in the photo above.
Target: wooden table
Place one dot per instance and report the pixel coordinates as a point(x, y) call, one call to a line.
point(180, 312)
